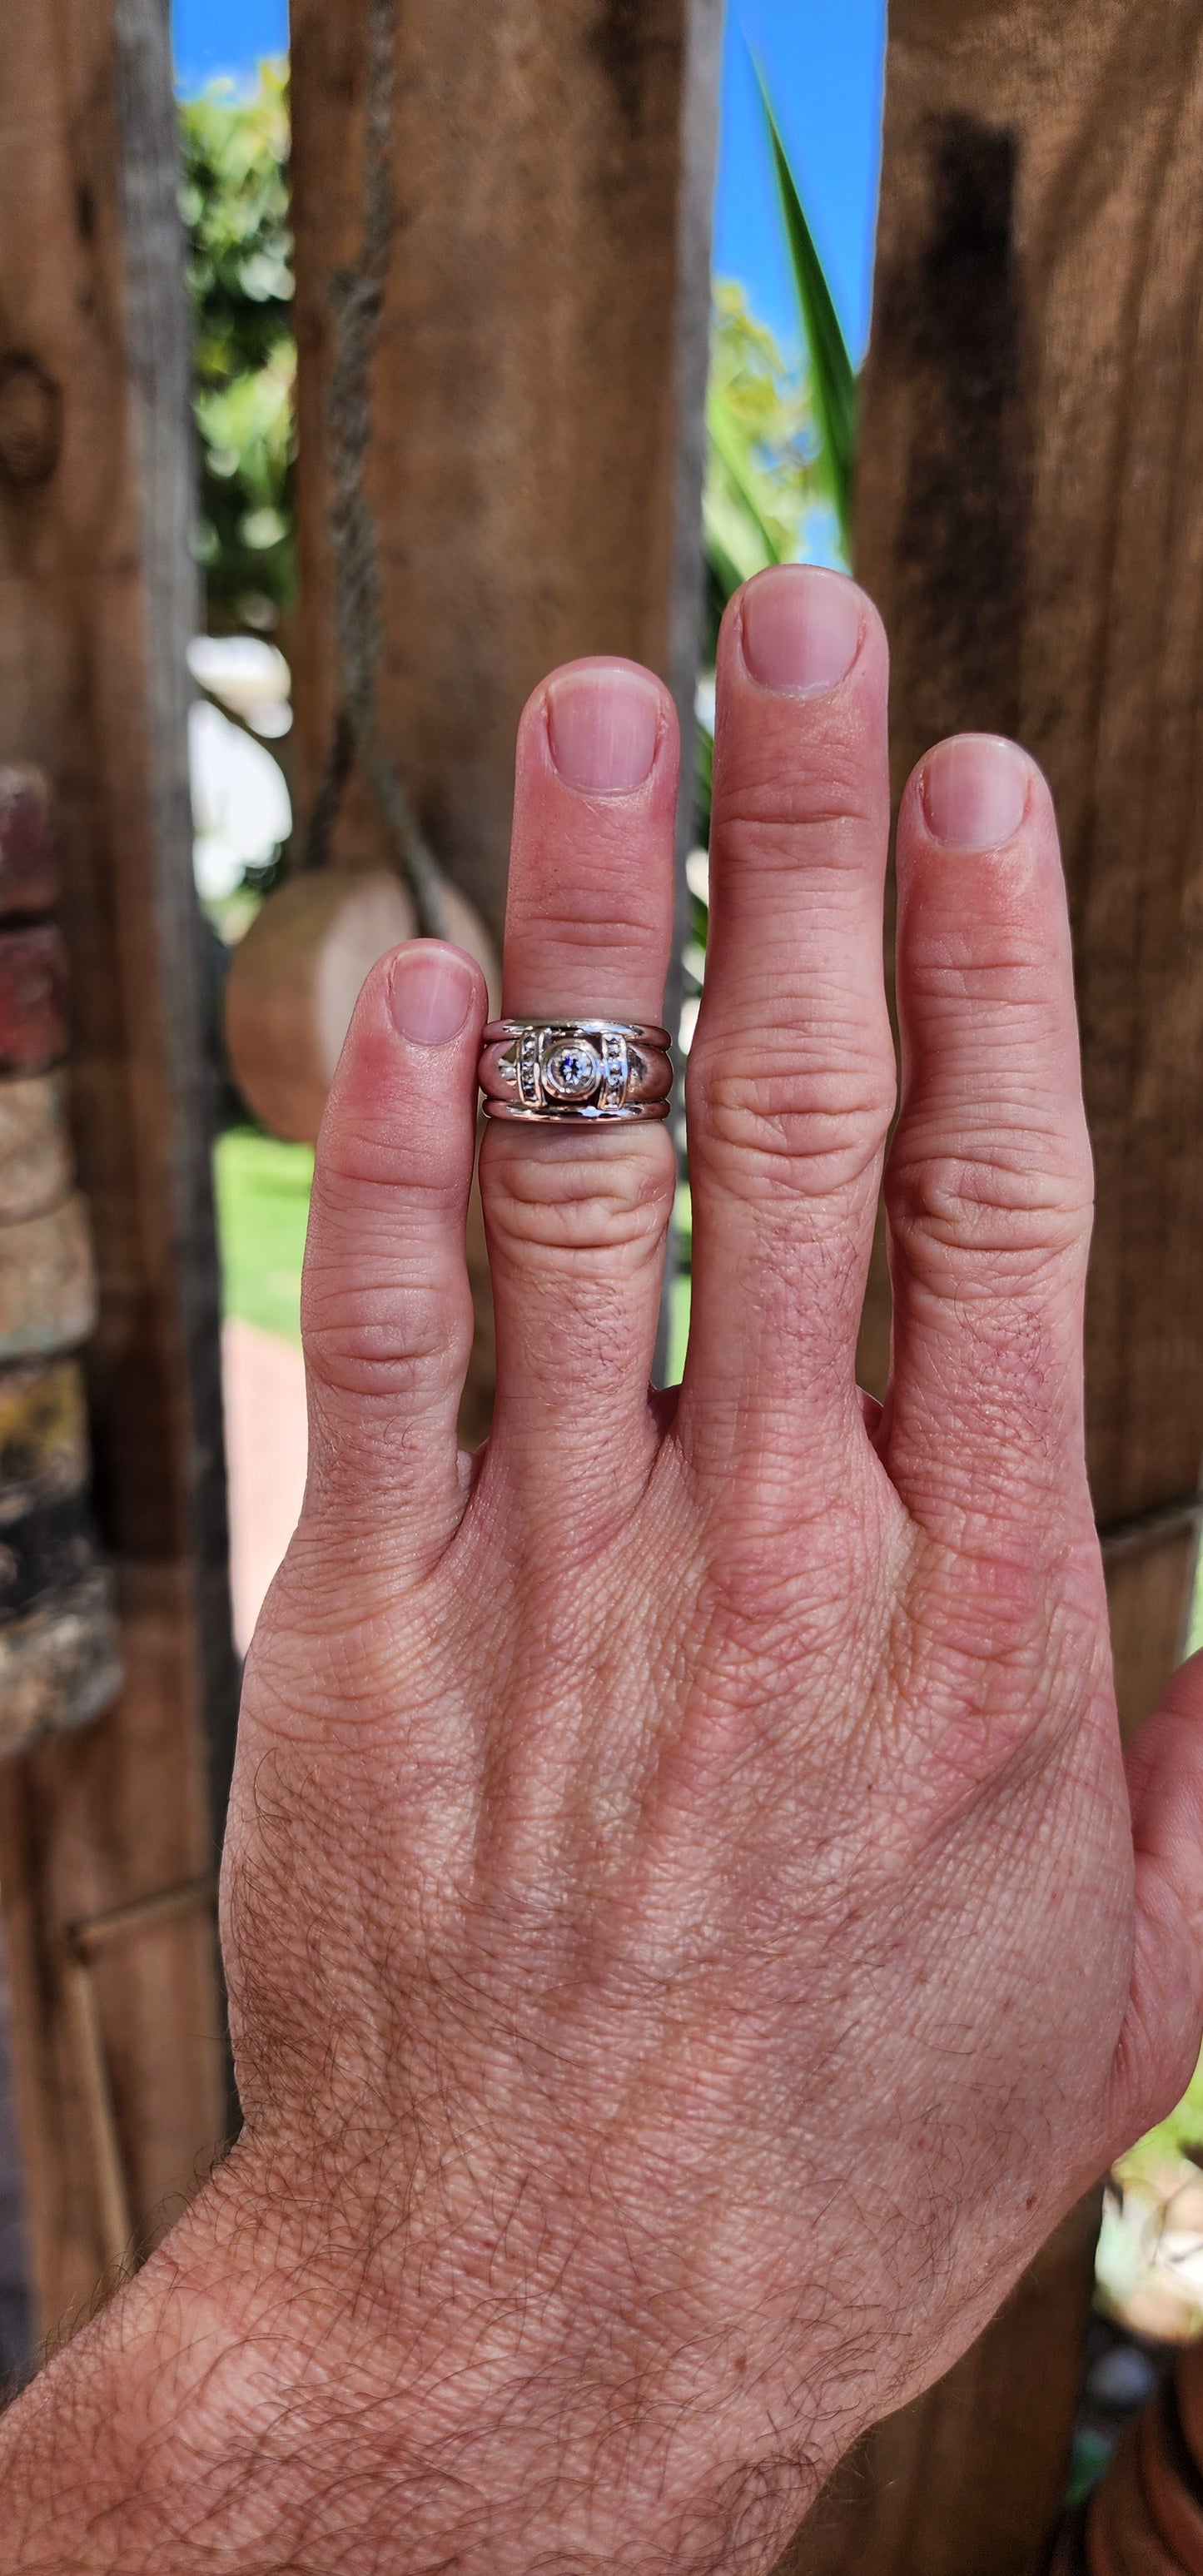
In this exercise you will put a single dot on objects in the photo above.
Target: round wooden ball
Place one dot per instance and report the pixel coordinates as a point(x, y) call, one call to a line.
point(297, 975)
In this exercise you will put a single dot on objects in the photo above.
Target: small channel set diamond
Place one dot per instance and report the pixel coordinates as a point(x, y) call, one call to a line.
point(615, 1069)
point(529, 1085)
point(573, 1069)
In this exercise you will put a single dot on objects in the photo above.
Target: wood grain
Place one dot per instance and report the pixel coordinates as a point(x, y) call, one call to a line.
point(47, 1282)
point(29, 874)
point(96, 605)
point(1030, 520)
point(534, 466)
point(33, 998)
point(35, 1155)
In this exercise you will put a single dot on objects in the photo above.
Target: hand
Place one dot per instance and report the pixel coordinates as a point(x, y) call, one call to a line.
point(687, 1937)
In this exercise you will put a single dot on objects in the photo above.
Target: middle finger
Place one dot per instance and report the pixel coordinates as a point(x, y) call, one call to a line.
point(791, 1073)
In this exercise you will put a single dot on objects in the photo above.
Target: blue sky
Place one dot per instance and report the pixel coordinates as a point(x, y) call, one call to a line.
point(822, 61)
point(217, 39)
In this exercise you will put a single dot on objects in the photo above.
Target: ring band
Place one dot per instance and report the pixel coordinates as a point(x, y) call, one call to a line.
point(584, 1071)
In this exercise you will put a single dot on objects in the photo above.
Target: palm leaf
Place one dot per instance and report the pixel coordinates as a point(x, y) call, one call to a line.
point(728, 573)
point(832, 374)
point(729, 446)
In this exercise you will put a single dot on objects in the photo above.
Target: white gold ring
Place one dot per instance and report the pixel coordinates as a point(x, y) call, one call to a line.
point(587, 1071)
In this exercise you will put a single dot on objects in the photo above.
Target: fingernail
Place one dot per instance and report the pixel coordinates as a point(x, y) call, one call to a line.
point(975, 790)
point(430, 992)
point(603, 727)
point(801, 628)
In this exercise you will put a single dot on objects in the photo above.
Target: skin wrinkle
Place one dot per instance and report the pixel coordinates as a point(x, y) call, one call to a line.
point(754, 1119)
point(554, 1205)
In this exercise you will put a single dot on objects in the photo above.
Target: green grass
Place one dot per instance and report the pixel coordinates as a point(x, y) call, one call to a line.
point(262, 1189)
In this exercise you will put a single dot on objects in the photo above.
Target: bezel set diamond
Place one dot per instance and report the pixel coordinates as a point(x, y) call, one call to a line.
point(581, 1070)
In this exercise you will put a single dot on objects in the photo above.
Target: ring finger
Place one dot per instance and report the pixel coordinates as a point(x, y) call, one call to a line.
point(577, 1216)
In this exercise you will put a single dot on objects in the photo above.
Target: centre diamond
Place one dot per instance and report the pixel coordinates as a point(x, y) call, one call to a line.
point(572, 1070)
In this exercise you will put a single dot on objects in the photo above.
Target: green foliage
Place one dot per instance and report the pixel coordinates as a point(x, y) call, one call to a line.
point(832, 376)
point(780, 439)
point(764, 469)
point(764, 466)
point(235, 205)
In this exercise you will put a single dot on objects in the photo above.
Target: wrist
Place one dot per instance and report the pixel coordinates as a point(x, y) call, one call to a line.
point(449, 2402)
point(249, 2403)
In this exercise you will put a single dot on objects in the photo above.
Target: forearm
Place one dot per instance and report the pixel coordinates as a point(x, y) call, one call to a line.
point(219, 2420)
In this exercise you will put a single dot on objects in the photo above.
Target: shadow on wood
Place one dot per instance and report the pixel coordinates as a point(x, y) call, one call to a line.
point(1030, 521)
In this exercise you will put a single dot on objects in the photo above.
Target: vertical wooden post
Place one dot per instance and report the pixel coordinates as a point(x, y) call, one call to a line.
point(96, 604)
point(1030, 519)
point(532, 407)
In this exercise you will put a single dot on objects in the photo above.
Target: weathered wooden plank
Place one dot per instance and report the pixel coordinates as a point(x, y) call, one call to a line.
point(47, 1282)
point(534, 406)
point(96, 604)
point(1030, 519)
point(59, 1666)
point(43, 1430)
point(87, 1821)
point(33, 999)
point(29, 875)
point(35, 1158)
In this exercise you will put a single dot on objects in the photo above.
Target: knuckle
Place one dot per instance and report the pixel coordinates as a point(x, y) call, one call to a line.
point(820, 1126)
point(369, 1172)
point(810, 817)
point(996, 970)
point(988, 1661)
point(603, 1197)
point(992, 1201)
point(376, 1337)
point(600, 919)
point(383, 1310)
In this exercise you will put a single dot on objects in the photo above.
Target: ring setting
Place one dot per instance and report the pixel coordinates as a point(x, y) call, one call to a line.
point(580, 1070)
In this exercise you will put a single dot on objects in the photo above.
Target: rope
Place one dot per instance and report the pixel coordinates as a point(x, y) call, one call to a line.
point(357, 303)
